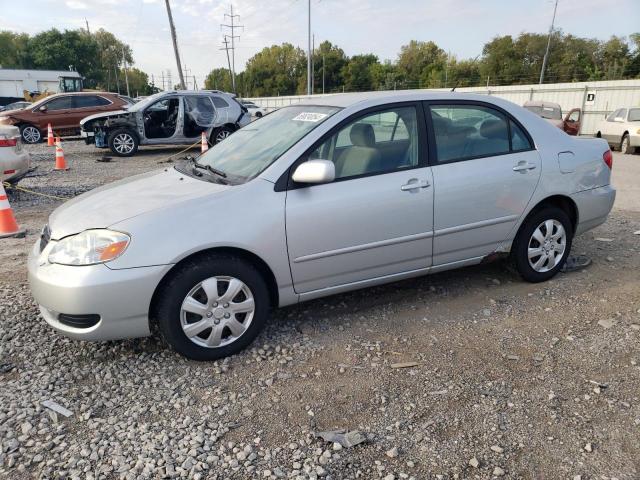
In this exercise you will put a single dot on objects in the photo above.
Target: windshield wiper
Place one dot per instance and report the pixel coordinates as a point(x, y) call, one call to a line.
point(209, 168)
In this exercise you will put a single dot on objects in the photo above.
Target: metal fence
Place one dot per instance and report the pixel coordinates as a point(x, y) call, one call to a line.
point(596, 99)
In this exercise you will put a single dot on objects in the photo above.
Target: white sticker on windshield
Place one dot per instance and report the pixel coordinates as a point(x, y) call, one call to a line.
point(309, 117)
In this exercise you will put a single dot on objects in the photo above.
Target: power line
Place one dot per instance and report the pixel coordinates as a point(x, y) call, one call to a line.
point(233, 37)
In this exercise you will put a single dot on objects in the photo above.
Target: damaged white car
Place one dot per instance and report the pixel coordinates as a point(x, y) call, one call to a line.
point(166, 118)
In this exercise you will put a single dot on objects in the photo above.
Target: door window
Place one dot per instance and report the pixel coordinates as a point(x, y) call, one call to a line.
point(612, 116)
point(472, 131)
point(60, 103)
point(86, 101)
point(199, 115)
point(574, 116)
point(622, 114)
point(220, 102)
point(378, 142)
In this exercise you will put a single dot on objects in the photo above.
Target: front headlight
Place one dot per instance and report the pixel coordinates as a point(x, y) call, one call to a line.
point(89, 248)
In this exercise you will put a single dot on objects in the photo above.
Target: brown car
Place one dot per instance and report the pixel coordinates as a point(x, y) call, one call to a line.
point(63, 111)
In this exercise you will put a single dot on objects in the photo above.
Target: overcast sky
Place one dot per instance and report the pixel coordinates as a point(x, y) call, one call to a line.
point(358, 26)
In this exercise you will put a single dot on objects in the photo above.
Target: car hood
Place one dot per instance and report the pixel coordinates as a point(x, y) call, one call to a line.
point(102, 115)
point(113, 203)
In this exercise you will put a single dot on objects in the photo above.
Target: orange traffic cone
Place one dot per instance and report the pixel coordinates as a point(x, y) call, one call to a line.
point(8, 225)
point(204, 145)
point(61, 164)
point(50, 142)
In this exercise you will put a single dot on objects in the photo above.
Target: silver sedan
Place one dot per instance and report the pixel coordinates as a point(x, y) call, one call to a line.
point(346, 192)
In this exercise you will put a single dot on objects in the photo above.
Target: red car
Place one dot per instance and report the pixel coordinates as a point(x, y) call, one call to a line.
point(63, 111)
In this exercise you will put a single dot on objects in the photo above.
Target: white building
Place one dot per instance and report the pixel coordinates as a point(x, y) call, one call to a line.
point(13, 83)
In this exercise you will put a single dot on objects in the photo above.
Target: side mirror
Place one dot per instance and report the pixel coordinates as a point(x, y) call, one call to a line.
point(43, 108)
point(315, 171)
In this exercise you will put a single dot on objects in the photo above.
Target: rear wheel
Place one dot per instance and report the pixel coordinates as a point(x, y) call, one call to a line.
point(543, 244)
point(625, 145)
point(213, 307)
point(221, 134)
point(123, 142)
point(30, 134)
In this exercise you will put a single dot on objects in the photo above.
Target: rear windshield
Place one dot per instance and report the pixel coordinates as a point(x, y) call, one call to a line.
point(550, 113)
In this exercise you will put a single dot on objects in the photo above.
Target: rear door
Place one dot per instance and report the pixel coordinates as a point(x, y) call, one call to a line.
point(199, 116)
point(85, 105)
point(485, 171)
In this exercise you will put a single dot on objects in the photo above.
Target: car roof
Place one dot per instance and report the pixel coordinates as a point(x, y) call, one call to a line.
point(344, 100)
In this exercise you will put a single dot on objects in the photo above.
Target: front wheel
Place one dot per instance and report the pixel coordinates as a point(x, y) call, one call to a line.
point(123, 142)
point(30, 134)
point(213, 307)
point(625, 145)
point(221, 134)
point(543, 244)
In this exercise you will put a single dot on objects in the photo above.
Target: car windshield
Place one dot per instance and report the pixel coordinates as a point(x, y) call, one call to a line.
point(250, 150)
point(145, 102)
point(551, 113)
point(634, 115)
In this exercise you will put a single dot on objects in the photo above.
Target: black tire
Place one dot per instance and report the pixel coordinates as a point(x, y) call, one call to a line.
point(258, 114)
point(625, 145)
point(219, 134)
point(167, 308)
point(519, 252)
point(123, 142)
point(30, 134)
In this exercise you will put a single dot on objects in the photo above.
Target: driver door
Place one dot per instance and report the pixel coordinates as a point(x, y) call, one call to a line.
point(161, 120)
point(375, 220)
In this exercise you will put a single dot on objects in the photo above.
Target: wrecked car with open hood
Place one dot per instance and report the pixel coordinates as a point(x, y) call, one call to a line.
point(174, 118)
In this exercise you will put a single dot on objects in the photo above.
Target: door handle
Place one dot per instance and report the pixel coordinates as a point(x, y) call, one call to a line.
point(414, 184)
point(523, 167)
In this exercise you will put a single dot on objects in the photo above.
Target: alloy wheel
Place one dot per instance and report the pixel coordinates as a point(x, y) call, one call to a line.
point(547, 246)
point(217, 311)
point(123, 143)
point(222, 134)
point(31, 134)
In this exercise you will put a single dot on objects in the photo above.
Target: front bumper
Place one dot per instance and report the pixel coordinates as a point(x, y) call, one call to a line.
point(121, 298)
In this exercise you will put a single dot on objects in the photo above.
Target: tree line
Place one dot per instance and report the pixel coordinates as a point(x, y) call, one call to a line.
point(98, 56)
point(282, 69)
point(505, 60)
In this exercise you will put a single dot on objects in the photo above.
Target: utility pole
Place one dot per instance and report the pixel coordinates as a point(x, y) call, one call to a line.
point(226, 47)
point(126, 76)
point(313, 63)
point(87, 22)
point(186, 74)
point(169, 82)
point(323, 74)
point(546, 53)
point(115, 69)
point(233, 37)
point(308, 47)
point(163, 80)
point(175, 44)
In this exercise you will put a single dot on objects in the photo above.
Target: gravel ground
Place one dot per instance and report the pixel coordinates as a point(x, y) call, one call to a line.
point(499, 378)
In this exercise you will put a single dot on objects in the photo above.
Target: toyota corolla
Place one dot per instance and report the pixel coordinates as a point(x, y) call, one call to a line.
point(341, 193)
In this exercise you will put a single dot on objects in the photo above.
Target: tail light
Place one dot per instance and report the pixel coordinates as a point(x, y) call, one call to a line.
point(608, 158)
point(8, 142)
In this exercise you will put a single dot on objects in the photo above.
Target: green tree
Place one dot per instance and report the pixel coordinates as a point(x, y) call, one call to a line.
point(112, 52)
point(334, 62)
point(219, 79)
point(275, 70)
point(15, 50)
point(357, 73)
point(422, 64)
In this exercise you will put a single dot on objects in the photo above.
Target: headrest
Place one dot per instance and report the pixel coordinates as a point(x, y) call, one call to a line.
point(494, 129)
point(362, 135)
point(441, 124)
